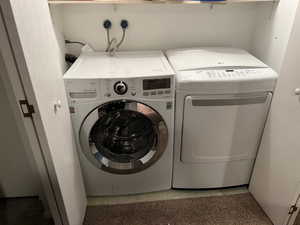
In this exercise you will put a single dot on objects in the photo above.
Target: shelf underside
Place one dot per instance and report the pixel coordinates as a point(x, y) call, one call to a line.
point(151, 1)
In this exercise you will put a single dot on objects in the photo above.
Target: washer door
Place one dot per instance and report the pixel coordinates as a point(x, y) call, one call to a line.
point(123, 137)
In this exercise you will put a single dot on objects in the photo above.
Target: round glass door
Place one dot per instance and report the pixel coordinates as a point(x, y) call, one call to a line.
point(123, 137)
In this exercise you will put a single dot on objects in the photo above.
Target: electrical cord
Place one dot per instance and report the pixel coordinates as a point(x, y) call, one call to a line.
point(112, 44)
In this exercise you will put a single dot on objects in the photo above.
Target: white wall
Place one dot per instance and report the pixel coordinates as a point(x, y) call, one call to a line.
point(160, 26)
point(261, 28)
point(56, 15)
point(272, 32)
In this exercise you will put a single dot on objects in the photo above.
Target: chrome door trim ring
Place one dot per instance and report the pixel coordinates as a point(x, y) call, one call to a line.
point(105, 164)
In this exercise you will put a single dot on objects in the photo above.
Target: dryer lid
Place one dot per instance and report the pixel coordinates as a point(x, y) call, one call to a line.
point(92, 65)
point(212, 58)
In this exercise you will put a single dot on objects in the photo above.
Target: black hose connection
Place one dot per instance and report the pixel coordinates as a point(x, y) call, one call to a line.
point(112, 44)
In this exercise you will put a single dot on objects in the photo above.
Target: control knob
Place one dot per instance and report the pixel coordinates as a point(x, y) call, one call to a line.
point(120, 88)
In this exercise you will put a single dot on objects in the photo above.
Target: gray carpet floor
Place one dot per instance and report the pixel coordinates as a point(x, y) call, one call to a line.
point(239, 209)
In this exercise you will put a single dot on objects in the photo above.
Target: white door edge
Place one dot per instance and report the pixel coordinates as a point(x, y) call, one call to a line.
point(15, 92)
point(67, 191)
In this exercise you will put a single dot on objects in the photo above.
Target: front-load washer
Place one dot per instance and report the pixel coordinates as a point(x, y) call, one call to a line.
point(122, 109)
point(222, 101)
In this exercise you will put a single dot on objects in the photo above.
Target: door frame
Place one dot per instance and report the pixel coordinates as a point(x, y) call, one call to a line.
point(18, 87)
point(291, 217)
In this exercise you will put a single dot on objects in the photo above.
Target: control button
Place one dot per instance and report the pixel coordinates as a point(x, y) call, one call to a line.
point(120, 88)
point(153, 92)
point(160, 92)
point(146, 94)
point(167, 91)
point(133, 93)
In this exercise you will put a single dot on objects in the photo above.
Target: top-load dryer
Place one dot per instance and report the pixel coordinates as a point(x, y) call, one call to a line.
point(222, 101)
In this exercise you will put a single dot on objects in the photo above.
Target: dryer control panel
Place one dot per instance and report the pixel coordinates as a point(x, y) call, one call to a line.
point(230, 74)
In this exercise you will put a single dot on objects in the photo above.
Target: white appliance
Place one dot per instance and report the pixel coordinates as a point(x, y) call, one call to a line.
point(122, 109)
point(222, 101)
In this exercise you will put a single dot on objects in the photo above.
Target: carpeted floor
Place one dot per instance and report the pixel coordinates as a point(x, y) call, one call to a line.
point(240, 209)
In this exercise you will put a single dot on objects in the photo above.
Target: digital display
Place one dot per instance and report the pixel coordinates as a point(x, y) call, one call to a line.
point(150, 84)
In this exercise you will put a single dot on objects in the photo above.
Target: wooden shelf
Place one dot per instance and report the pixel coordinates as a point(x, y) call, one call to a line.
point(151, 1)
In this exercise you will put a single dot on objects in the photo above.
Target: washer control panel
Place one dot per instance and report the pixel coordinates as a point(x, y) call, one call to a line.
point(138, 87)
point(92, 89)
point(152, 87)
point(156, 92)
